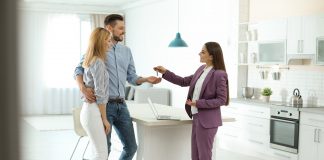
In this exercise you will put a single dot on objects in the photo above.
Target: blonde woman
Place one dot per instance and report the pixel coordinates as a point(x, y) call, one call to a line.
point(93, 115)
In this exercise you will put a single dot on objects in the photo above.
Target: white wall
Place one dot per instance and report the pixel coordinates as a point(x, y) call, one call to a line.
point(309, 83)
point(150, 28)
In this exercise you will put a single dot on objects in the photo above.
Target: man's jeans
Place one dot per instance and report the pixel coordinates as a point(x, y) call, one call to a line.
point(119, 117)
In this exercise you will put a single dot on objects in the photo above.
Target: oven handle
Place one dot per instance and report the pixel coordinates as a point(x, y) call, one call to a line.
point(282, 120)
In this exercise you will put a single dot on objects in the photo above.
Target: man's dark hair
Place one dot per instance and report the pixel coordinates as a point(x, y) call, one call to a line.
point(112, 18)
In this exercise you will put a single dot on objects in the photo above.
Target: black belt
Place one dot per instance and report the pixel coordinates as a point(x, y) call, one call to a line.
point(116, 100)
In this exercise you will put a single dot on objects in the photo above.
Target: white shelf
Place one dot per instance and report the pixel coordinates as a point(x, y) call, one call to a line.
point(247, 64)
point(247, 23)
point(244, 23)
point(247, 41)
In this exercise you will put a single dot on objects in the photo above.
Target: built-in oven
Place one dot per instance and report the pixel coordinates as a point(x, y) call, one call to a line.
point(284, 128)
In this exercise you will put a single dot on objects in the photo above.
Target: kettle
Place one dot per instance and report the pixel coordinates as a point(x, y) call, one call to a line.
point(296, 100)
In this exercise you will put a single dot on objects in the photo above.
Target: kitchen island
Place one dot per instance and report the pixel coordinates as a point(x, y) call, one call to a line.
point(163, 139)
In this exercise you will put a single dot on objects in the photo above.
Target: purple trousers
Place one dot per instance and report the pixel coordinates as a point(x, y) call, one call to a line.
point(202, 140)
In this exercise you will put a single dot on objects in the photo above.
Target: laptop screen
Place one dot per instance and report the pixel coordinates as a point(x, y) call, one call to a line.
point(152, 107)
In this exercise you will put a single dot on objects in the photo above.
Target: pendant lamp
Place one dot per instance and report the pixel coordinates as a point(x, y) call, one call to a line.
point(178, 41)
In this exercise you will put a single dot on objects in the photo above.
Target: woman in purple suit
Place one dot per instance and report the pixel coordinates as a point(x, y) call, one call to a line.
point(207, 92)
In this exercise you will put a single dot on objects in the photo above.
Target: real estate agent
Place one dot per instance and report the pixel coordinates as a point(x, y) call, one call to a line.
point(208, 90)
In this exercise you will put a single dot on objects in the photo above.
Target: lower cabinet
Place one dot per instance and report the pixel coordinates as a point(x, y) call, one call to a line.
point(249, 134)
point(311, 139)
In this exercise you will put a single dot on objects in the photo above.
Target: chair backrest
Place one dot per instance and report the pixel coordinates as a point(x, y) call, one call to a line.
point(157, 95)
point(78, 129)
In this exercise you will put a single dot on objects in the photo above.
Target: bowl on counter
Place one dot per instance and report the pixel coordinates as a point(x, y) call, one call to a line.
point(247, 92)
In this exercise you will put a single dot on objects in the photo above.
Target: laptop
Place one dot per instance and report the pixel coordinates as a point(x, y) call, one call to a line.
point(158, 116)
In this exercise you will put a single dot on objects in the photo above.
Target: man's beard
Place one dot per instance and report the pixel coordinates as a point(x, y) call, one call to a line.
point(117, 39)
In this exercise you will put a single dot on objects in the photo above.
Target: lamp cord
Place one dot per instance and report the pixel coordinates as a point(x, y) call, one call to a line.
point(178, 15)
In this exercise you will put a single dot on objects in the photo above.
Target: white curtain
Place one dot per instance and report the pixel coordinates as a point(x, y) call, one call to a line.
point(50, 47)
point(97, 20)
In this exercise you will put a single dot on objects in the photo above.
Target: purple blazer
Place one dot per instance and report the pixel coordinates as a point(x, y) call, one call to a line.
point(213, 94)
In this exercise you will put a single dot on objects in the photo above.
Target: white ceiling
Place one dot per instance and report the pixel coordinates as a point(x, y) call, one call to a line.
point(93, 6)
point(111, 3)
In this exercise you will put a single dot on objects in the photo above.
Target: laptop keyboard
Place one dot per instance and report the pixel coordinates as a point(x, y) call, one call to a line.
point(164, 117)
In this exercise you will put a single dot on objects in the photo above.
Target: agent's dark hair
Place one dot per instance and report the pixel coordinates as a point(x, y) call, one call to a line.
point(112, 18)
point(215, 50)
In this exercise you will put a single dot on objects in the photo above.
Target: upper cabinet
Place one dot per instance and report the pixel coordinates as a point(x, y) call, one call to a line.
point(320, 25)
point(272, 30)
point(320, 40)
point(271, 45)
point(301, 35)
point(272, 52)
point(293, 40)
point(320, 50)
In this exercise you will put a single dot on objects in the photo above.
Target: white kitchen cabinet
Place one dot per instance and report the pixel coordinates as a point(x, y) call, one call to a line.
point(249, 134)
point(272, 52)
point(307, 146)
point(311, 139)
point(320, 50)
point(272, 30)
point(320, 40)
point(271, 44)
point(301, 35)
point(320, 25)
point(320, 145)
point(275, 154)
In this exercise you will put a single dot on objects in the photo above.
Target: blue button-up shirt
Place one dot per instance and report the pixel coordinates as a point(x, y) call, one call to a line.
point(120, 66)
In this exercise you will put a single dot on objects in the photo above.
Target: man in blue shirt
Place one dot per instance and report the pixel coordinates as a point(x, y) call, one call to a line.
point(120, 66)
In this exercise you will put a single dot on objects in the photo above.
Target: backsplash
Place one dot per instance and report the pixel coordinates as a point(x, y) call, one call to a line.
point(309, 83)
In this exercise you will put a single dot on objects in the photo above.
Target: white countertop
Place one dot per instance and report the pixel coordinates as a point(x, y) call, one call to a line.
point(142, 113)
point(255, 102)
point(276, 104)
point(317, 110)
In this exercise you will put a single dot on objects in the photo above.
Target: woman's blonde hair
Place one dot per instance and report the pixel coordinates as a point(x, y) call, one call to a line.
point(96, 47)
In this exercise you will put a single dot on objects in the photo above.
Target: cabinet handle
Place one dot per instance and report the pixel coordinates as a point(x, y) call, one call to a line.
point(315, 135)
point(230, 135)
point(298, 46)
point(301, 46)
point(254, 141)
point(281, 155)
point(316, 120)
point(233, 108)
point(253, 124)
point(255, 111)
point(281, 120)
point(318, 135)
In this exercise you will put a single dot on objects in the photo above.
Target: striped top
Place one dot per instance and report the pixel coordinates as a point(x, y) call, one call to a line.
point(97, 77)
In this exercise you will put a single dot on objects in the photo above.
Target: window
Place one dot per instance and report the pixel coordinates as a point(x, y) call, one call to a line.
point(65, 41)
point(51, 45)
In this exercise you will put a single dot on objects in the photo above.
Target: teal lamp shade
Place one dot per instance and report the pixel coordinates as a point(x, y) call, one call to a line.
point(178, 42)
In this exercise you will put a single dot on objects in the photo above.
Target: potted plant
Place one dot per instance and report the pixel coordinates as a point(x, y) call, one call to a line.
point(266, 93)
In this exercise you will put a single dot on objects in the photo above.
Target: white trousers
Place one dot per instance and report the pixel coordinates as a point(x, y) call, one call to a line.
point(91, 121)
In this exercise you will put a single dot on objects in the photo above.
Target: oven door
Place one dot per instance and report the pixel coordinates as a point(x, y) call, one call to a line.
point(284, 134)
